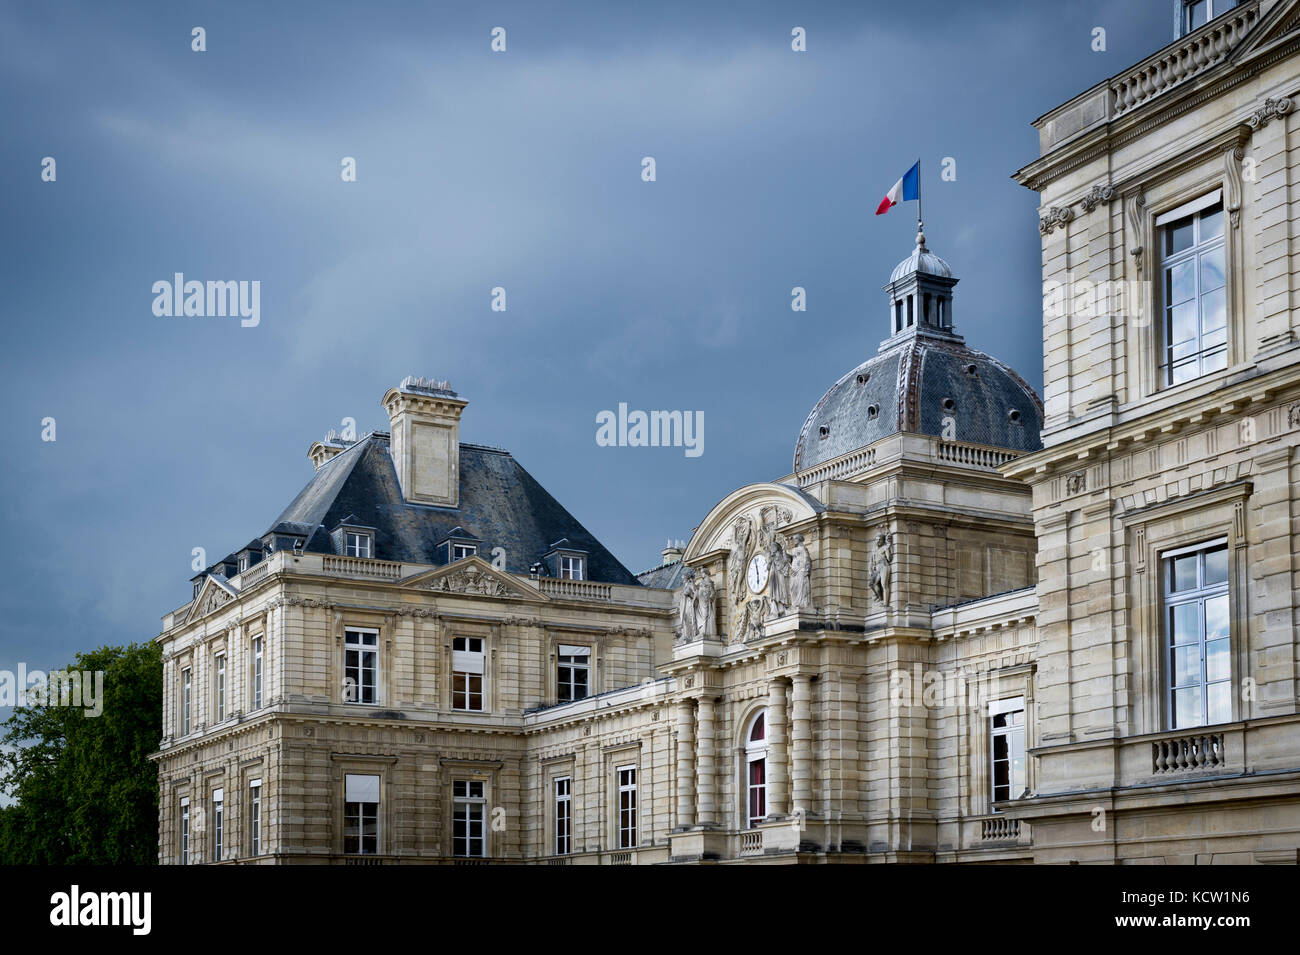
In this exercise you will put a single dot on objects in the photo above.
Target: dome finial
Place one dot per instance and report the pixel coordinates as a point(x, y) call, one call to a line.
point(920, 235)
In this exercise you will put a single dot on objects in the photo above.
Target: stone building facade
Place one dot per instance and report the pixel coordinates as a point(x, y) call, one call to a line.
point(1165, 498)
point(969, 626)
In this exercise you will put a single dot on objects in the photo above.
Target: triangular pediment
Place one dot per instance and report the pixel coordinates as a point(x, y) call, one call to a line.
point(215, 594)
point(1282, 21)
point(473, 577)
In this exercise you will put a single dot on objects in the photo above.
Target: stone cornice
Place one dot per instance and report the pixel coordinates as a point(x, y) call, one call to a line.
point(1106, 135)
point(1087, 449)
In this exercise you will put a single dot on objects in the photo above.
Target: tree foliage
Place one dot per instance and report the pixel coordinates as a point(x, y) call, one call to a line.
point(86, 791)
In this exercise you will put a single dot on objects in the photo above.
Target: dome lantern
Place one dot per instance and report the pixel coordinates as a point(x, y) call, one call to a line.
point(920, 295)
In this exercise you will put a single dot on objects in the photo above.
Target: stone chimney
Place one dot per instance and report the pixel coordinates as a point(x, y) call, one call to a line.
point(424, 427)
point(672, 553)
point(321, 451)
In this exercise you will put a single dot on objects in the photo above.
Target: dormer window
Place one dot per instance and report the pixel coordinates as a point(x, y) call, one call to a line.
point(824, 432)
point(358, 544)
point(1197, 13)
point(571, 568)
point(873, 412)
point(243, 563)
point(461, 551)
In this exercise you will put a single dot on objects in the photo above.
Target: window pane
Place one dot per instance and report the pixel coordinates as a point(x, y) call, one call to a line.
point(1178, 236)
point(1187, 708)
point(1217, 361)
point(1212, 223)
point(1216, 617)
point(1185, 572)
point(1216, 566)
point(1212, 269)
point(1183, 371)
point(1214, 310)
point(1180, 283)
point(1220, 702)
point(1182, 324)
point(1216, 660)
point(1186, 623)
point(1187, 665)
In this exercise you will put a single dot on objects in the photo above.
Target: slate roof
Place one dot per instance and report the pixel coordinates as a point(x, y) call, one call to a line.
point(907, 385)
point(667, 576)
point(500, 504)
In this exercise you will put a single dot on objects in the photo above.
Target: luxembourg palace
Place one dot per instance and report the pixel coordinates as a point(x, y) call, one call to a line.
point(970, 624)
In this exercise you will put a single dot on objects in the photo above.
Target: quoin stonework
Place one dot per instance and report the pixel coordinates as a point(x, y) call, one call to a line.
point(969, 626)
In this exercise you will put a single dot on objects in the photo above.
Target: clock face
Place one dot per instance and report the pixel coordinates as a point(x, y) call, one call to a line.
point(757, 576)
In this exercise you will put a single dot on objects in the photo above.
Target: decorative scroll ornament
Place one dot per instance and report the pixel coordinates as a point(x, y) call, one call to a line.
point(1272, 109)
point(1232, 158)
point(1133, 207)
point(1056, 215)
point(1098, 195)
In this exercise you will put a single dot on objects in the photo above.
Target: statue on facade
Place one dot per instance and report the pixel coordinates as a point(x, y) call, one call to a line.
point(800, 575)
point(686, 608)
point(705, 605)
point(882, 556)
point(778, 580)
point(742, 532)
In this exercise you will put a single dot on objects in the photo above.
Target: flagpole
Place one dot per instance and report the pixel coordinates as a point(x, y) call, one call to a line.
point(920, 223)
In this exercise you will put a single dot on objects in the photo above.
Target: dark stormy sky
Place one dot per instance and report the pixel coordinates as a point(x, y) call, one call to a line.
point(475, 170)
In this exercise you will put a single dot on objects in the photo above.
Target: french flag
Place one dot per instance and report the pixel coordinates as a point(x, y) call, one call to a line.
point(909, 187)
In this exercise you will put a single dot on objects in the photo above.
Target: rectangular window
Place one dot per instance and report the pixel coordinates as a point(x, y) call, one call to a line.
point(1007, 747)
point(563, 816)
point(627, 806)
point(1198, 635)
point(257, 673)
point(468, 804)
point(1197, 13)
point(254, 817)
point(757, 789)
point(243, 563)
point(461, 551)
point(467, 673)
point(187, 697)
point(218, 822)
point(219, 690)
point(570, 568)
point(356, 545)
point(361, 666)
point(360, 814)
point(573, 673)
point(185, 830)
point(1194, 291)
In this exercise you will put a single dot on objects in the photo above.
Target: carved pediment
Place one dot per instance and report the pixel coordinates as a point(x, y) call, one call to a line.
point(473, 577)
point(212, 597)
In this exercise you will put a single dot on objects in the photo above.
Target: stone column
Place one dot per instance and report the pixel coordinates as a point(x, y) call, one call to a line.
point(685, 763)
point(778, 779)
point(801, 742)
point(706, 779)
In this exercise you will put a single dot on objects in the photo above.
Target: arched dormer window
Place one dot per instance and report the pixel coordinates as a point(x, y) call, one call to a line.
point(756, 770)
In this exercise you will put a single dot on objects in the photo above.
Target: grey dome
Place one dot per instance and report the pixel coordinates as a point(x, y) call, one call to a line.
point(921, 260)
point(905, 388)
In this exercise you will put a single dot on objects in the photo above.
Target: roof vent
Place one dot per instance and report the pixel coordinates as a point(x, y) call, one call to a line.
point(949, 404)
point(1013, 416)
point(864, 377)
point(971, 370)
point(824, 432)
point(873, 412)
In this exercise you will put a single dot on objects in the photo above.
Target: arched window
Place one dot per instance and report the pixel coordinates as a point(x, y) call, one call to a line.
point(756, 770)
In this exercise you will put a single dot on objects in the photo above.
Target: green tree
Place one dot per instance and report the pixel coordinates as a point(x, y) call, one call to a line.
point(86, 791)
